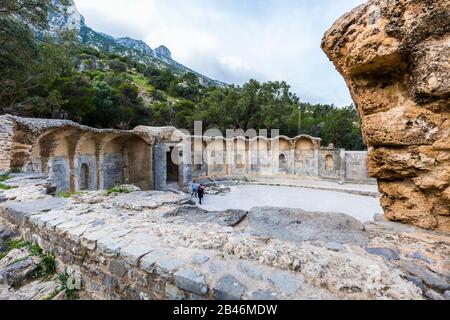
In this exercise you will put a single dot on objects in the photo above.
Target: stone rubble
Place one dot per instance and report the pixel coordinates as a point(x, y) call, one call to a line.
point(164, 250)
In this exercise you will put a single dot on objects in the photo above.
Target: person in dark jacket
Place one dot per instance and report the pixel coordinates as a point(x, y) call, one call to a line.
point(200, 193)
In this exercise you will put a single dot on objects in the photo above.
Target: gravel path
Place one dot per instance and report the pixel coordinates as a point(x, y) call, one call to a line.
point(246, 197)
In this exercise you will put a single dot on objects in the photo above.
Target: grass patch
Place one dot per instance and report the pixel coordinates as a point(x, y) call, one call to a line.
point(5, 187)
point(142, 82)
point(68, 195)
point(34, 249)
point(46, 267)
point(118, 189)
point(3, 178)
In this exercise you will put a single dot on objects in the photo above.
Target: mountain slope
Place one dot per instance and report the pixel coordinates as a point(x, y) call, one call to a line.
point(69, 18)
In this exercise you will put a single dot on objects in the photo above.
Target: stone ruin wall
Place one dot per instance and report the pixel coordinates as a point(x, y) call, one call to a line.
point(81, 158)
point(6, 138)
point(395, 58)
point(75, 157)
point(301, 156)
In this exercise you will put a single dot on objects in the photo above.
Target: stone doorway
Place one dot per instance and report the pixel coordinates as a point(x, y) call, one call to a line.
point(282, 162)
point(173, 169)
point(84, 177)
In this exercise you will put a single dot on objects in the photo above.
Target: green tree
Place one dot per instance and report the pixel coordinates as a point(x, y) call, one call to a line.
point(80, 95)
point(118, 66)
point(25, 66)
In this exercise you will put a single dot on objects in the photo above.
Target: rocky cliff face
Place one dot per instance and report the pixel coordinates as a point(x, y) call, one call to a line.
point(395, 58)
point(163, 53)
point(67, 17)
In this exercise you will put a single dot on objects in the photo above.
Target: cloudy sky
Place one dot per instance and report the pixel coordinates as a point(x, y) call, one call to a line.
point(235, 40)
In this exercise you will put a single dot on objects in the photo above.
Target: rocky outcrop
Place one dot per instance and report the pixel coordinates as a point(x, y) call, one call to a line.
point(297, 225)
point(395, 58)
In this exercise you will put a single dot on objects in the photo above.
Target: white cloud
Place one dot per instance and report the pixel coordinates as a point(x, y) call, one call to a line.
point(235, 40)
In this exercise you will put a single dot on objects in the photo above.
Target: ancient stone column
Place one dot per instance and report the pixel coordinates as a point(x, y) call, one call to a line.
point(395, 58)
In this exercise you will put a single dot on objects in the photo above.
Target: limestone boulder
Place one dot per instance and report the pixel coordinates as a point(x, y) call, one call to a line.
point(297, 226)
point(395, 59)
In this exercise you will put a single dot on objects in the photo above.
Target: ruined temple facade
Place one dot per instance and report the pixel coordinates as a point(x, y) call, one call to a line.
point(80, 158)
point(395, 58)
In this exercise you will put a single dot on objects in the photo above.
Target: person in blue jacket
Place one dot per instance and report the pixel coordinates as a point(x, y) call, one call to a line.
point(195, 186)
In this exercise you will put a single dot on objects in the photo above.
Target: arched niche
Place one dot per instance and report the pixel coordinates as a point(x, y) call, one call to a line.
point(329, 163)
point(139, 162)
point(113, 162)
point(304, 144)
point(50, 155)
point(240, 153)
point(305, 157)
point(217, 162)
point(85, 164)
point(284, 144)
point(197, 149)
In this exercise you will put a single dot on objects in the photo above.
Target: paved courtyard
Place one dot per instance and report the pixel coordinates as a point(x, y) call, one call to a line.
point(245, 197)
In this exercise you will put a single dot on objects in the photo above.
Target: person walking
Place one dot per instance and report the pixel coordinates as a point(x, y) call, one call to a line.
point(201, 193)
point(194, 189)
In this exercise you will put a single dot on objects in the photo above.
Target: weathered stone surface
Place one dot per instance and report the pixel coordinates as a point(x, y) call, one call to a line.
point(433, 295)
point(199, 259)
point(110, 282)
point(18, 272)
point(251, 270)
point(297, 225)
point(190, 213)
point(386, 253)
point(264, 295)
point(192, 281)
point(149, 261)
point(14, 256)
point(6, 233)
point(394, 58)
point(428, 277)
point(148, 200)
point(35, 290)
point(117, 269)
point(285, 282)
point(18, 211)
point(447, 295)
point(334, 246)
point(170, 264)
point(132, 253)
point(229, 288)
point(420, 256)
point(174, 293)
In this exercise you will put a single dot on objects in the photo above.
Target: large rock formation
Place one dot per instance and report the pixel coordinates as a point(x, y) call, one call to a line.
point(395, 58)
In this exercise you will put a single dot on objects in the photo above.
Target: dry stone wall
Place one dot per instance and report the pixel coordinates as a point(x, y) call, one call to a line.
point(6, 139)
point(395, 58)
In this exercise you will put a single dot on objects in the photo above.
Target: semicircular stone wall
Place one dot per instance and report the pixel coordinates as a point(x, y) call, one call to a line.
point(395, 58)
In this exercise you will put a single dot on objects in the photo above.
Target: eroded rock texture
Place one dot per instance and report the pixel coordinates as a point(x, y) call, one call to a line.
point(395, 58)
